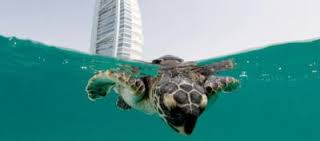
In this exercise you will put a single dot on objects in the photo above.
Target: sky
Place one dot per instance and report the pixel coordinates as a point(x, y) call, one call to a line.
point(191, 29)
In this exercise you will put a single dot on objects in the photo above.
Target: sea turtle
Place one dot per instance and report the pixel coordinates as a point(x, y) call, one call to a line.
point(178, 94)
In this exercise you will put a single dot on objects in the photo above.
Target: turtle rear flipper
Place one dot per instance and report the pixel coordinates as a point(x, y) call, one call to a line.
point(99, 86)
point(210, 69)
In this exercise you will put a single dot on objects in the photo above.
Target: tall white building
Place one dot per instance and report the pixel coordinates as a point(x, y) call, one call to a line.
point(117, 29)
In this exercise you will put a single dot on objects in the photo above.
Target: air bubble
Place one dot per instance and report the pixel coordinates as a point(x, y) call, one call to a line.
point(243, 74)
point(41, 59)
point(312, 64)
point(84, 67)
point(65, 61)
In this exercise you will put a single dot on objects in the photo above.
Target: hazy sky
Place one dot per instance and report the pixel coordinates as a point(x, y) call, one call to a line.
point(192, 29)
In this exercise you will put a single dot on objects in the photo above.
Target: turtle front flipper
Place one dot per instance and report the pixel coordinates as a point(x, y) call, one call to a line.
point(214, 84)
point(122, 104)
point(99, 86)
point(125, 80)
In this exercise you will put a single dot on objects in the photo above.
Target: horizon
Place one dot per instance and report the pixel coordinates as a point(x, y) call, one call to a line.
point(208, 28)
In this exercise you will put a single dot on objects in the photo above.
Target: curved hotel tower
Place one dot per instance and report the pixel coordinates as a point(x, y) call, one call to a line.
point(117, 29)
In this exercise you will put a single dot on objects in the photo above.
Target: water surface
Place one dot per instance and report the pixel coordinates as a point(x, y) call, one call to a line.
point(42, 97)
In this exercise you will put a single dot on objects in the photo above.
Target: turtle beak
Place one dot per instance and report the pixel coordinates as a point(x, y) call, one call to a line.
point(185, 122)
point(188, 125)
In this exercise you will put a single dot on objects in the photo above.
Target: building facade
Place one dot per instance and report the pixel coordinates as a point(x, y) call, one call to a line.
point(117, 29)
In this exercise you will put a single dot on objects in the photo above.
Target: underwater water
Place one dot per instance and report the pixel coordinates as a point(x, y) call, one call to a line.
point(42, 97)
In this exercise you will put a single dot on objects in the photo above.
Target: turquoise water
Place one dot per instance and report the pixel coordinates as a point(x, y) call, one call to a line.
point(42, 97)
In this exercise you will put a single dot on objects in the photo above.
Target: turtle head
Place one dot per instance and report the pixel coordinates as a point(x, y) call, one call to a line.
point(182, 102)
point(168, 60)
